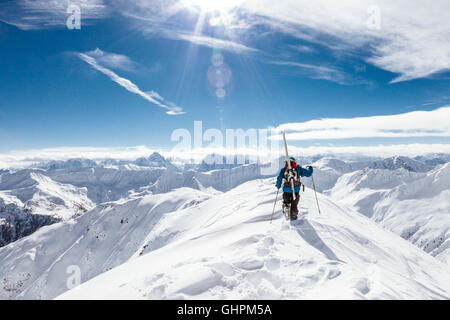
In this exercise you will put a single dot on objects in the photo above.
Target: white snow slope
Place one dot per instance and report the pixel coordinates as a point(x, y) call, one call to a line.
point(34, 190)
point(415, 205)
point(35, 267)
point(30, 200)
point(225, 248)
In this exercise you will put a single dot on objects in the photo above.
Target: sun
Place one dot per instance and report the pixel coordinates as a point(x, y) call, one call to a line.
point(212, 5)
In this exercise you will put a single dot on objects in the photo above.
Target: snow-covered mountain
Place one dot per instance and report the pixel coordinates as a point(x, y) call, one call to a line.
point(141, 207)
point(434, 159)
point(71, 187)
point(155, 160)
point(190, 244)
point(111, 180)
point(215, 162)
point(68, 164)
point(30, 200)
point(327, 172)
point(35, 267)
point(397, 162)
point(339, 166)
point(415, 205)
point(225, 248)
point(402, 194)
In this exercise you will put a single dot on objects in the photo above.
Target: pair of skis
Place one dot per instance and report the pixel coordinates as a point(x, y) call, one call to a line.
point(290, 175)
point(290, 178)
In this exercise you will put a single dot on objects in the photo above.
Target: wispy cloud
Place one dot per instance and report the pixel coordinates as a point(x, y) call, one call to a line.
point(412, 124)
point(211, 42)
point(321, 72)
point(130, 86)
point(44, 14)
point(113, 60)
point(302, 48)
point(176, 33)
point(155, 19)
point(411, 41)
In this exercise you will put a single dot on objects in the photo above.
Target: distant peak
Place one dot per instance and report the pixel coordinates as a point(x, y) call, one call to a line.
point(155, 156)
point(397, 162)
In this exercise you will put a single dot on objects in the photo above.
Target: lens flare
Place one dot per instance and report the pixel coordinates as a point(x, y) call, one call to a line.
point(219, 76)
point(217, 59)
point(220, 93)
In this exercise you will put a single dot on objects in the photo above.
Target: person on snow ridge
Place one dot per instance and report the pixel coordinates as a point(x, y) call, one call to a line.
point(288, 198)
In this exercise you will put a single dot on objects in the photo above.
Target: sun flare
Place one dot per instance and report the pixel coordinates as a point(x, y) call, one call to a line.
point(212, 5)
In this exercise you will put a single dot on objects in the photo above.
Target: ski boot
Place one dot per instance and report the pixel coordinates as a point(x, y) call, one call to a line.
point(286, 208)
point(294, 216)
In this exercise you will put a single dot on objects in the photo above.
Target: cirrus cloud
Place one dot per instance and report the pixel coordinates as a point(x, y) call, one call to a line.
point(410, 41)
point(92, 57)
point(45, 14)
point(414, 124)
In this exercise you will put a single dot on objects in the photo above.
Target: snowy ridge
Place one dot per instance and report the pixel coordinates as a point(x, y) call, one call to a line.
point(35, 267)
point(339, 166)
point(406, 196)
point(401, 162)
point(155, 160)
point(434, 158)
point(73, 187)
point(414, 205)
point(328, 171)
point(32, 200)
point(68, 164)
point(225, 248)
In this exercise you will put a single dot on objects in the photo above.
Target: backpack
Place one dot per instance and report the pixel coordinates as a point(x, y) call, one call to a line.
point(296, 178)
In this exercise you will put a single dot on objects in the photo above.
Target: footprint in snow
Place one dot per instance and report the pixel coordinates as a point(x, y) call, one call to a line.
point(156, 293)
point(363, 286)
point(250, 264)
point(333, 274)
point(267, 242)
point(223, 268)
point(261, 252)
point(273, 264)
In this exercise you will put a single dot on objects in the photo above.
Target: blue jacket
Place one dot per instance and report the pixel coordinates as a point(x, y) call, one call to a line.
point(300, 172)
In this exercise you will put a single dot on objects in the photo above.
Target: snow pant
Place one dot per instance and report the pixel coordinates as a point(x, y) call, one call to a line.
point(288, 199)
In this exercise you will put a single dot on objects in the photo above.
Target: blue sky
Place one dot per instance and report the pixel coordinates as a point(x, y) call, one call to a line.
point(137, 70)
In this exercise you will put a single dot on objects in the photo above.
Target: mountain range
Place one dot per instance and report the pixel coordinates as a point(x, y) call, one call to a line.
point(127, 215)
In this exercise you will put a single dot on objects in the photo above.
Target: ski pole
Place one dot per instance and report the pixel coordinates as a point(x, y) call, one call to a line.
point(278, 190)
point(314, 185)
